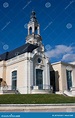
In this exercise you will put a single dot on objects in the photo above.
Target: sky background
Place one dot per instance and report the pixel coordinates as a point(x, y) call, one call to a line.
point(57, 24)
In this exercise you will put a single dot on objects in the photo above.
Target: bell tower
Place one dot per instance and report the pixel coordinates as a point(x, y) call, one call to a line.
point(33, 26)
point(33, 31)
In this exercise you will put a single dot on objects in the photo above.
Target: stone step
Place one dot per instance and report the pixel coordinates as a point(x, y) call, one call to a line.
point(67, 93)
point(10, 92)
point(37, 91)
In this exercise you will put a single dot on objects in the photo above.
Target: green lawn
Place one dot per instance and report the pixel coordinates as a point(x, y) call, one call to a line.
point(35, 99)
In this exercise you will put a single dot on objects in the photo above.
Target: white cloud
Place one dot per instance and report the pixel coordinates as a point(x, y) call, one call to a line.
point(62, 51)
point(68, 57)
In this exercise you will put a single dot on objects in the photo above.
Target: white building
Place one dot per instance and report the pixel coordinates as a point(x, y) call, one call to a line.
point(26, 68)
point(63, 78)
point(28, 71)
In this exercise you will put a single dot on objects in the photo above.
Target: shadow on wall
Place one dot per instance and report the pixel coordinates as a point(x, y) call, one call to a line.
point(54, 80)
point(57, 80)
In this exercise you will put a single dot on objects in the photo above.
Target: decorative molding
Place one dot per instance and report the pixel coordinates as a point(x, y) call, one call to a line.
point(19, 58)
point(69, 68)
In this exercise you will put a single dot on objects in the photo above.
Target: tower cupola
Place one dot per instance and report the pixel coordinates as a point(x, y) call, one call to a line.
point(33, 30)
point(33, 26)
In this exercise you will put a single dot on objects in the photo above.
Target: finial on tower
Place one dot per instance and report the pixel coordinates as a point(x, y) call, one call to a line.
point(33, 16)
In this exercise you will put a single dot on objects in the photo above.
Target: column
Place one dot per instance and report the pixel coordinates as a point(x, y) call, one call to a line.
point(30, 75)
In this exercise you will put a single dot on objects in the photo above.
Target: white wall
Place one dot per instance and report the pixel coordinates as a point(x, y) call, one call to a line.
point(61, 68)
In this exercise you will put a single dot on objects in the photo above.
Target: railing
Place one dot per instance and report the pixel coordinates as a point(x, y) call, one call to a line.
point(40, 87)
point(43, 87)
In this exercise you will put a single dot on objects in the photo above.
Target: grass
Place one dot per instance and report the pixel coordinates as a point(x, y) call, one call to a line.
point(35, 99)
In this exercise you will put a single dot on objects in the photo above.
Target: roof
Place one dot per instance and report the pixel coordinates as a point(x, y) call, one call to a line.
point(64, 63)
point(72, 63)
point(18, 51)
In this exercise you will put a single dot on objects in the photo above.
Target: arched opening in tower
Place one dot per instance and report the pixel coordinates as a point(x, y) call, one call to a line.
point(36, 30)
point(30, 30)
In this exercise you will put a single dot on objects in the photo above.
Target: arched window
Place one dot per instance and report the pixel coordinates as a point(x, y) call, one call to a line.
point(30, 30)
point(69, 79)
point(36, 31)
point(14, 80)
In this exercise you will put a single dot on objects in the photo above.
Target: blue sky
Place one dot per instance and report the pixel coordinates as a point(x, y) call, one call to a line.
point(57, 24)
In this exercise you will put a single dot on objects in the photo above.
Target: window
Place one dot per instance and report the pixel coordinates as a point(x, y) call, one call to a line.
point(39, 60)
point(36, 30)
point(30, 30)
point(14, 80)
point(39, 78)
point(69, 79)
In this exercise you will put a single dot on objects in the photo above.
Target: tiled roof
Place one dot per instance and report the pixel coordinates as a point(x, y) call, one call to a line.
point(18, 51)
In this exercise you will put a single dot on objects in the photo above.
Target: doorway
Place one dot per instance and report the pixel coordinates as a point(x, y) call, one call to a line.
point(39, 78)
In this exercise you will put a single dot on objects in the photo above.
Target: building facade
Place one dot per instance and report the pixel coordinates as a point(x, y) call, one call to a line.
point(64, 78)
point(26, 68)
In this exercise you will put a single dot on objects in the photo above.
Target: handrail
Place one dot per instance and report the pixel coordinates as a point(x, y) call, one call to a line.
point(42, 87)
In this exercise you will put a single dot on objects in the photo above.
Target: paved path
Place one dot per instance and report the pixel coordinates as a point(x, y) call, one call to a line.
point(38, 107)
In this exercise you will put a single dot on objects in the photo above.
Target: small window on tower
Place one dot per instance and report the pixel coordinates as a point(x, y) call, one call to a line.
point(36, 30)
point(30, 30)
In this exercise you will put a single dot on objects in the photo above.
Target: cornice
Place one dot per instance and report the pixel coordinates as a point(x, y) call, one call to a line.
point(18, 59)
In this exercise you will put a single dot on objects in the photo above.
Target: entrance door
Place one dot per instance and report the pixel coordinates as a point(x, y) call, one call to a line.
point(39, 78)
point(14, 80)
